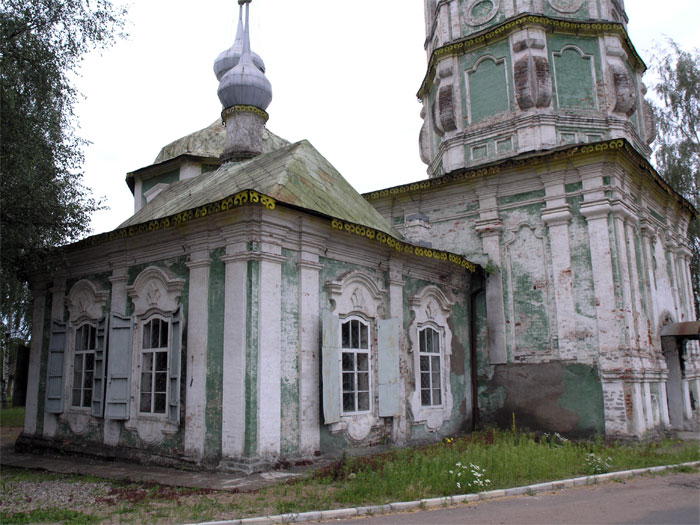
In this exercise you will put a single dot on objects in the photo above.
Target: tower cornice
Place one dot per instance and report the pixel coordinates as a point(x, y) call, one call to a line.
point(504, 29)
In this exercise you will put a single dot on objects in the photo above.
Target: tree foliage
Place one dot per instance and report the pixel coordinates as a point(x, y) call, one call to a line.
point(678, 143)
point(43, 202)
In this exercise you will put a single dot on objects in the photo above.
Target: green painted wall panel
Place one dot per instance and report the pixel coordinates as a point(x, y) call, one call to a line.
point(251, 374)
point(584, 397)
point(165, 178)
point(488, 90)
point(215, 355)
point(290, 413)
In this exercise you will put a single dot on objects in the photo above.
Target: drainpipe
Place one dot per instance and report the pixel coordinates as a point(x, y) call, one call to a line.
point(472, 353)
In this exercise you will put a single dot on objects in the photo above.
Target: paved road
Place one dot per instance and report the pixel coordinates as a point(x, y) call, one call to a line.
point(670, 499)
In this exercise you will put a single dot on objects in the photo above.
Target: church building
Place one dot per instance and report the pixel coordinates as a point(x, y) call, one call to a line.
point(255, 307)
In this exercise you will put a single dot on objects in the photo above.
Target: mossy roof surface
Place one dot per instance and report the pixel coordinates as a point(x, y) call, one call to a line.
point(210, 142)
point(296, 175)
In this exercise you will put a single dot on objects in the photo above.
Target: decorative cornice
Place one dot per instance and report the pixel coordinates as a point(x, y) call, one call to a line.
point(253, 197)
point(510, 26)
point(596, 210)
point(244, 109)
point(528, 160)
point(557, 216)
point(402, 247)
point(202, 263)
point(233, 201)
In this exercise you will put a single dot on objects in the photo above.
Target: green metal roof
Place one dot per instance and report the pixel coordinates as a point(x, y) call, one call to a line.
point(296, 175)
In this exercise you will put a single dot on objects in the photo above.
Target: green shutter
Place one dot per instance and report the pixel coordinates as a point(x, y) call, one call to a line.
point(174, 367)
point(330, 367)
point(120, 350)
point(98, 381)
point(388, 350)
point(54, 373)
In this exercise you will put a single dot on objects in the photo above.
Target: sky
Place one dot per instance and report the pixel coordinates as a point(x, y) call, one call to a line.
point(344, 76)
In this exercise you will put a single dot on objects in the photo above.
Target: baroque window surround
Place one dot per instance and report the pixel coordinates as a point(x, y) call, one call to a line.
point(154, 294)
point(85, 303)
point(431, 308)
point(357, 295)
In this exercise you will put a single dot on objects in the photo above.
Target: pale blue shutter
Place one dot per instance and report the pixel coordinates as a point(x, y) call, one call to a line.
point(330, 367)
point(388, 338)
point(174, 367)
point(121, 335)
point(54, 372)
point(98, 380)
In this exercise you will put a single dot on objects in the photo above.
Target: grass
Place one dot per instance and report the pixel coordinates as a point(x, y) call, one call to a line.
point(11, 417)
point(507, 459)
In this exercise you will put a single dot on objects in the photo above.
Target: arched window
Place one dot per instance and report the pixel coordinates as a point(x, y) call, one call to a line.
point(155, 347)
point(355, 364)
point(431, 342)
point(84, 365)
point(430, 360)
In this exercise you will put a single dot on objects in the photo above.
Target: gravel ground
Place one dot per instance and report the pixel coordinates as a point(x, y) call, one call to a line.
point(25, 496)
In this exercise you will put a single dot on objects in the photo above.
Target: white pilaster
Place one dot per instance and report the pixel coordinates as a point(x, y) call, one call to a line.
point(118, 279)
point(197, 340)
point(400, 430)
point(489, 227)
point(638, 321)
point(647, 255)
point(58, 301)
point(638, 418)
point(234, 365)
point(269, 349)
point(309, 275)
point(33, 376)
point(621, 214)
point(557, 219)
point(596, 214)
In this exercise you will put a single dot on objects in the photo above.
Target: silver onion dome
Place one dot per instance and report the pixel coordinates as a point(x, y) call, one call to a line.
point(229, 58)
point(245, 84)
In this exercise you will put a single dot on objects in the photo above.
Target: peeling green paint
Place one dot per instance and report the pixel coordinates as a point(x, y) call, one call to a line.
point(521, 197)
point(582, 276)
point(290, 346)
point(574, 75)
point(657, 216)
point(251, 375)
point(573, 187)
point(490, 86)
point(215, 355)
point(580, 14)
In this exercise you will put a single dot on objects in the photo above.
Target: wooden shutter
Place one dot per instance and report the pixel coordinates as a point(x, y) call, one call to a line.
point(330, 367)
point(174, 368)
point(120, 350)
point(98, 381)
point(388, 338)
point(54, 372)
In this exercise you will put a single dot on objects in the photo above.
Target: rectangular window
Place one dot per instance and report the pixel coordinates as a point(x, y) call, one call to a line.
point(84, 365)
point(154, 366)
point(355, 366)
point(430, 368)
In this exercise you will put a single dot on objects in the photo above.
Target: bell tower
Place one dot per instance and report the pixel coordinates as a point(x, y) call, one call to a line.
point(507, 77)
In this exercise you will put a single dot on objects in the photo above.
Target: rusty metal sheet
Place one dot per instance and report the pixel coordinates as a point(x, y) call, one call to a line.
point(687, 330)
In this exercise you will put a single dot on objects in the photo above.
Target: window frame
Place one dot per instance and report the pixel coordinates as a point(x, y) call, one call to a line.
point(355, 351)
point(83, 352)
point(142, 351)
point(432, 307)
point(438, 332)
